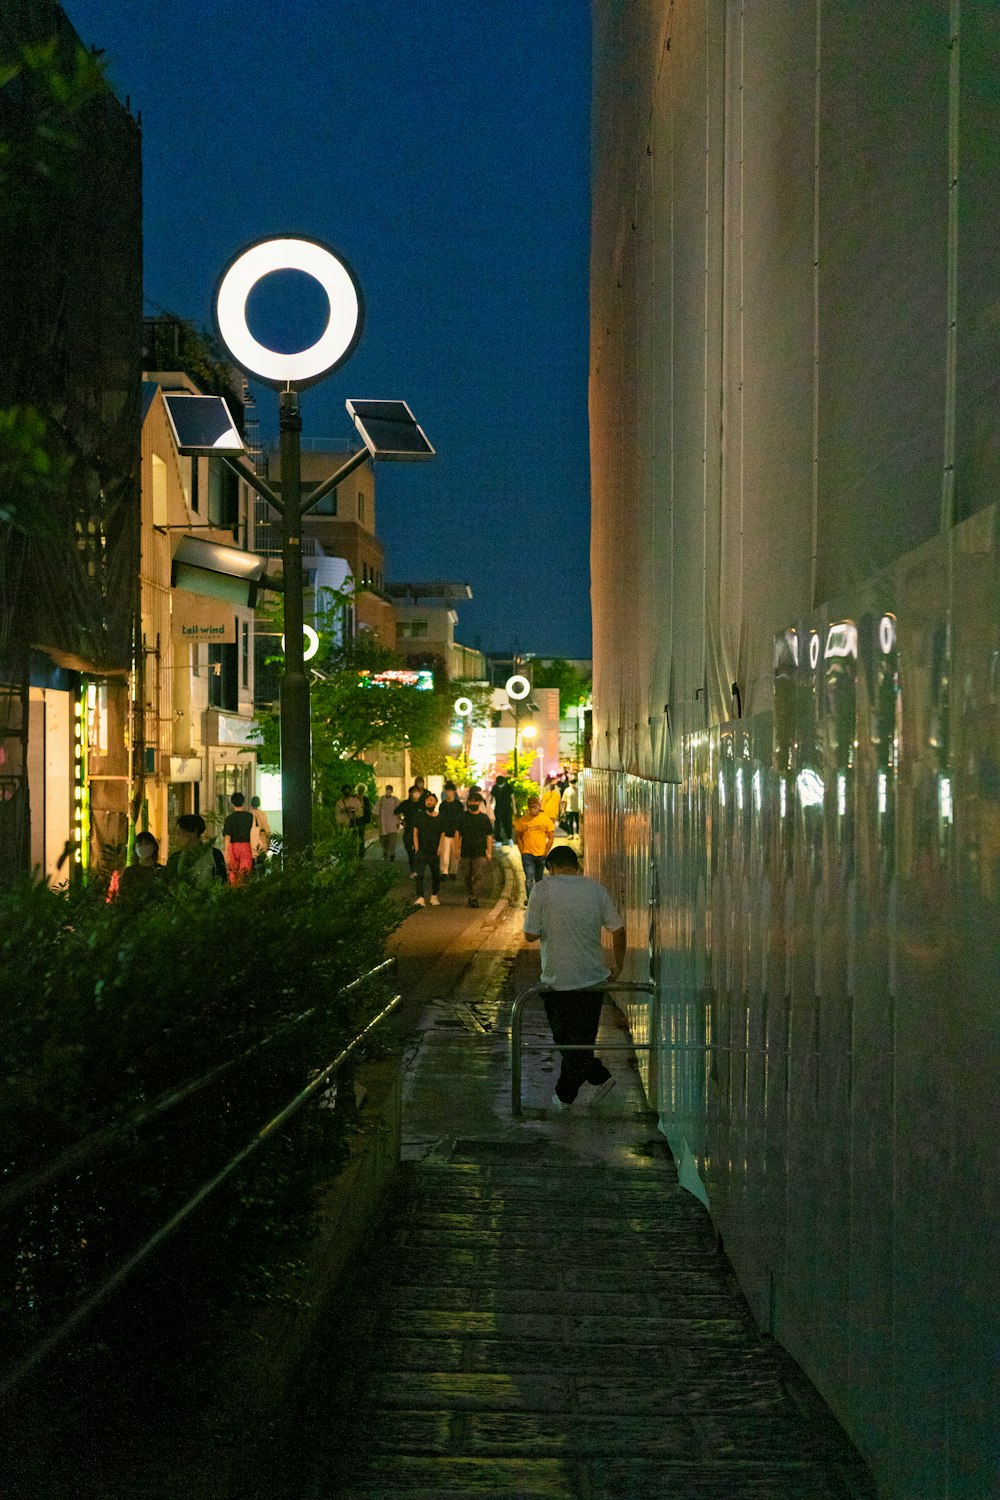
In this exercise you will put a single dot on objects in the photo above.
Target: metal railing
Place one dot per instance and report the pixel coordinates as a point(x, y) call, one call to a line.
point(317, 1084)
point(628, 986)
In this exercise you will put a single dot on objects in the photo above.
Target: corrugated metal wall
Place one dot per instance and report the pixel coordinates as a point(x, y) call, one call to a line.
point(796, 449)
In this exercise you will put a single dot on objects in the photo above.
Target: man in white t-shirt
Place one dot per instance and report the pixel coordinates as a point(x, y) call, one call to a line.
point(568, 914)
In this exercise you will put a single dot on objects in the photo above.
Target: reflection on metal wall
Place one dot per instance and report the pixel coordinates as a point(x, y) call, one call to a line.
point(793, 400)
point(825, 887)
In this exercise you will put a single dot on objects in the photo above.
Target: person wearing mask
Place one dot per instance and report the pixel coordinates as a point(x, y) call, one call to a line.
point(535, 832)
point(143, 880)
point(427, 838)
point(503, 810)
point(236, 831)
point(387, 823)
point(475, 845)
point(568, 913)
point(451, 812)
point(408, 813)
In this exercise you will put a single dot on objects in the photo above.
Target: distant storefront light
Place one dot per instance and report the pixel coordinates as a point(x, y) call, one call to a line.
point(420, 678)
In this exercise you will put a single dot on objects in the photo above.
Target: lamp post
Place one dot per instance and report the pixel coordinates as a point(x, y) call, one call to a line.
point(387, 428)
point(517, 688)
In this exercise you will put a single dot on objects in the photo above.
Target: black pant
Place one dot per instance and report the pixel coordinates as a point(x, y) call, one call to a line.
point(408, 835)
point(432, 863)
point(574, 1016)
point(503, 827)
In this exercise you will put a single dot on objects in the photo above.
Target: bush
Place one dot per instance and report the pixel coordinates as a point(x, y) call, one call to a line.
point(105, 1009)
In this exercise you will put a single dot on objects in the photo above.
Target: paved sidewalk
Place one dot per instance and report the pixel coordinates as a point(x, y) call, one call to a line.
point(542, 1313)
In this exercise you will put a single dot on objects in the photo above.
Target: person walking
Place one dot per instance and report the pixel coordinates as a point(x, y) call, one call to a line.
point(142, 881)
point(236, 831)
point(451, 812)
point(260, 833)
point(387, 823)
point(348, 811)
point(535, 833)
point(569, 808)
point(475, 846)
point(409, 811)
point(193, 862)
point(427, 837)
point(550, 799)
point(365, 816)
point(503, 810)
point(567, 914)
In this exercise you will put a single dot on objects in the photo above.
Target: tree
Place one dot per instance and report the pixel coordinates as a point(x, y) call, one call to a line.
point(351, 711)
point(574, 688)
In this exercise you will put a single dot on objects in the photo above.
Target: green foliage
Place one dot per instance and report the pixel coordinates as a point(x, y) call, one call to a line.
point(107, 1007)
point(480, 694)
point(174, 343)
point(350, 713)
point(32, 467)
point(557, 673)
point(459, 769)
point(522, 784)
point(37, 153)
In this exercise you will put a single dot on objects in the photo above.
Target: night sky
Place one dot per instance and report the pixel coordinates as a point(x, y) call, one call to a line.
point(443, 149)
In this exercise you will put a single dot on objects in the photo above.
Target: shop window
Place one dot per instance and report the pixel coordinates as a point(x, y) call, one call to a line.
point(245, 641)
point(223, 678)
point(223, 496)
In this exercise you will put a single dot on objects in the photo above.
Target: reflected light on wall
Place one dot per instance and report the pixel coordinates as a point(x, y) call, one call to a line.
point(841, 794)
point(944, 798)
point(810, 788)
point(739, 788)
point(883, 792)
point(758, 790)
point(783, 798)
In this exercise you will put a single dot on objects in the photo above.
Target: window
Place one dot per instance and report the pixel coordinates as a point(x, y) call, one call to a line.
point(160, 517)
point(195, 476)
point(245, 638)
point(223, 495)
point(223, 668)
point(361, 506)
point(327, 506)
point(412, 630)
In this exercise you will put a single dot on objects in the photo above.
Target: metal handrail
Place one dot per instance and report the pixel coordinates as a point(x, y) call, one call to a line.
point(517, 1021)
point(90, 1304)
point(99, 1140)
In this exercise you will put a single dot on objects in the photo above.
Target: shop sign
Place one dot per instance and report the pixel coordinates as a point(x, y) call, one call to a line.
point(196, 618)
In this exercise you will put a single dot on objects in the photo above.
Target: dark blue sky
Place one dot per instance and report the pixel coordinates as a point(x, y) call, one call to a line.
point(443, 149)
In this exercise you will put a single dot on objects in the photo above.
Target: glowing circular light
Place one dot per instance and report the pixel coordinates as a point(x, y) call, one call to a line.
point(463, 707)
point(312, 643)
point(529, 732)
point(343, 327)
point(887, 633)
point(518, 687)
point(814, 650)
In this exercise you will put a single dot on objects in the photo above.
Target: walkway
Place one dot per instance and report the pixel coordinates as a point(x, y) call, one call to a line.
point(542, 1313)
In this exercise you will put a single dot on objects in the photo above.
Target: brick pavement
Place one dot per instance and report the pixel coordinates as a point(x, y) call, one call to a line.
point(542, 1312)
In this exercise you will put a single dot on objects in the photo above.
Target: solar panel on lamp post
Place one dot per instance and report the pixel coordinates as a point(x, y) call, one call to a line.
point(387, 428)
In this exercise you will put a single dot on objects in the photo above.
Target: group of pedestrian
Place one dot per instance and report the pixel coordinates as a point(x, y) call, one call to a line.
point(246, 839)
point(353, 810)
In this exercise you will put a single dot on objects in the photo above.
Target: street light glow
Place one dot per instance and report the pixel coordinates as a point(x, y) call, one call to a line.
point(344, 322)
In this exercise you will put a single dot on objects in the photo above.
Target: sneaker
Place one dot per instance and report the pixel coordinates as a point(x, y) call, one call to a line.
point(473, 901)
point(559, 1104)
point(601, 1090)
point(419, 901)
point(435, 901)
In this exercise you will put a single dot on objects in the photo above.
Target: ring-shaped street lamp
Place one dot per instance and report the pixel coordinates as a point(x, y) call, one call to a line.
point(344, 323)
point(313, 645)
point(517, 687)
point(463, 707)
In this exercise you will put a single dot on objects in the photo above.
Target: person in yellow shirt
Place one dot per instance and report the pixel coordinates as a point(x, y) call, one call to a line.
point(534, 832)
point(550, 799)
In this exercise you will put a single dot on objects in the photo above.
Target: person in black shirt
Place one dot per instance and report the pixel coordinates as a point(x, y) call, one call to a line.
point(427, 838)
point(408, 813)
point(475, 846)
point(503, 809)
point(451, 812)
point(236, 832)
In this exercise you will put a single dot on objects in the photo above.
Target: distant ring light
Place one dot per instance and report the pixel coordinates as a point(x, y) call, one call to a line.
point(463, 707)
point(344, 323)
point(517, 687)
point(313, 643)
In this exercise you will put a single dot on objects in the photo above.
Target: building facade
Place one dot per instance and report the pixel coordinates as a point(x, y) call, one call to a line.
point(795, 739)
point(425, 629)
point(70, 358)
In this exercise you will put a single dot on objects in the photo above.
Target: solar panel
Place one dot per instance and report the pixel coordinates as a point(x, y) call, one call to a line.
point(202, 424)
point(389, 430)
